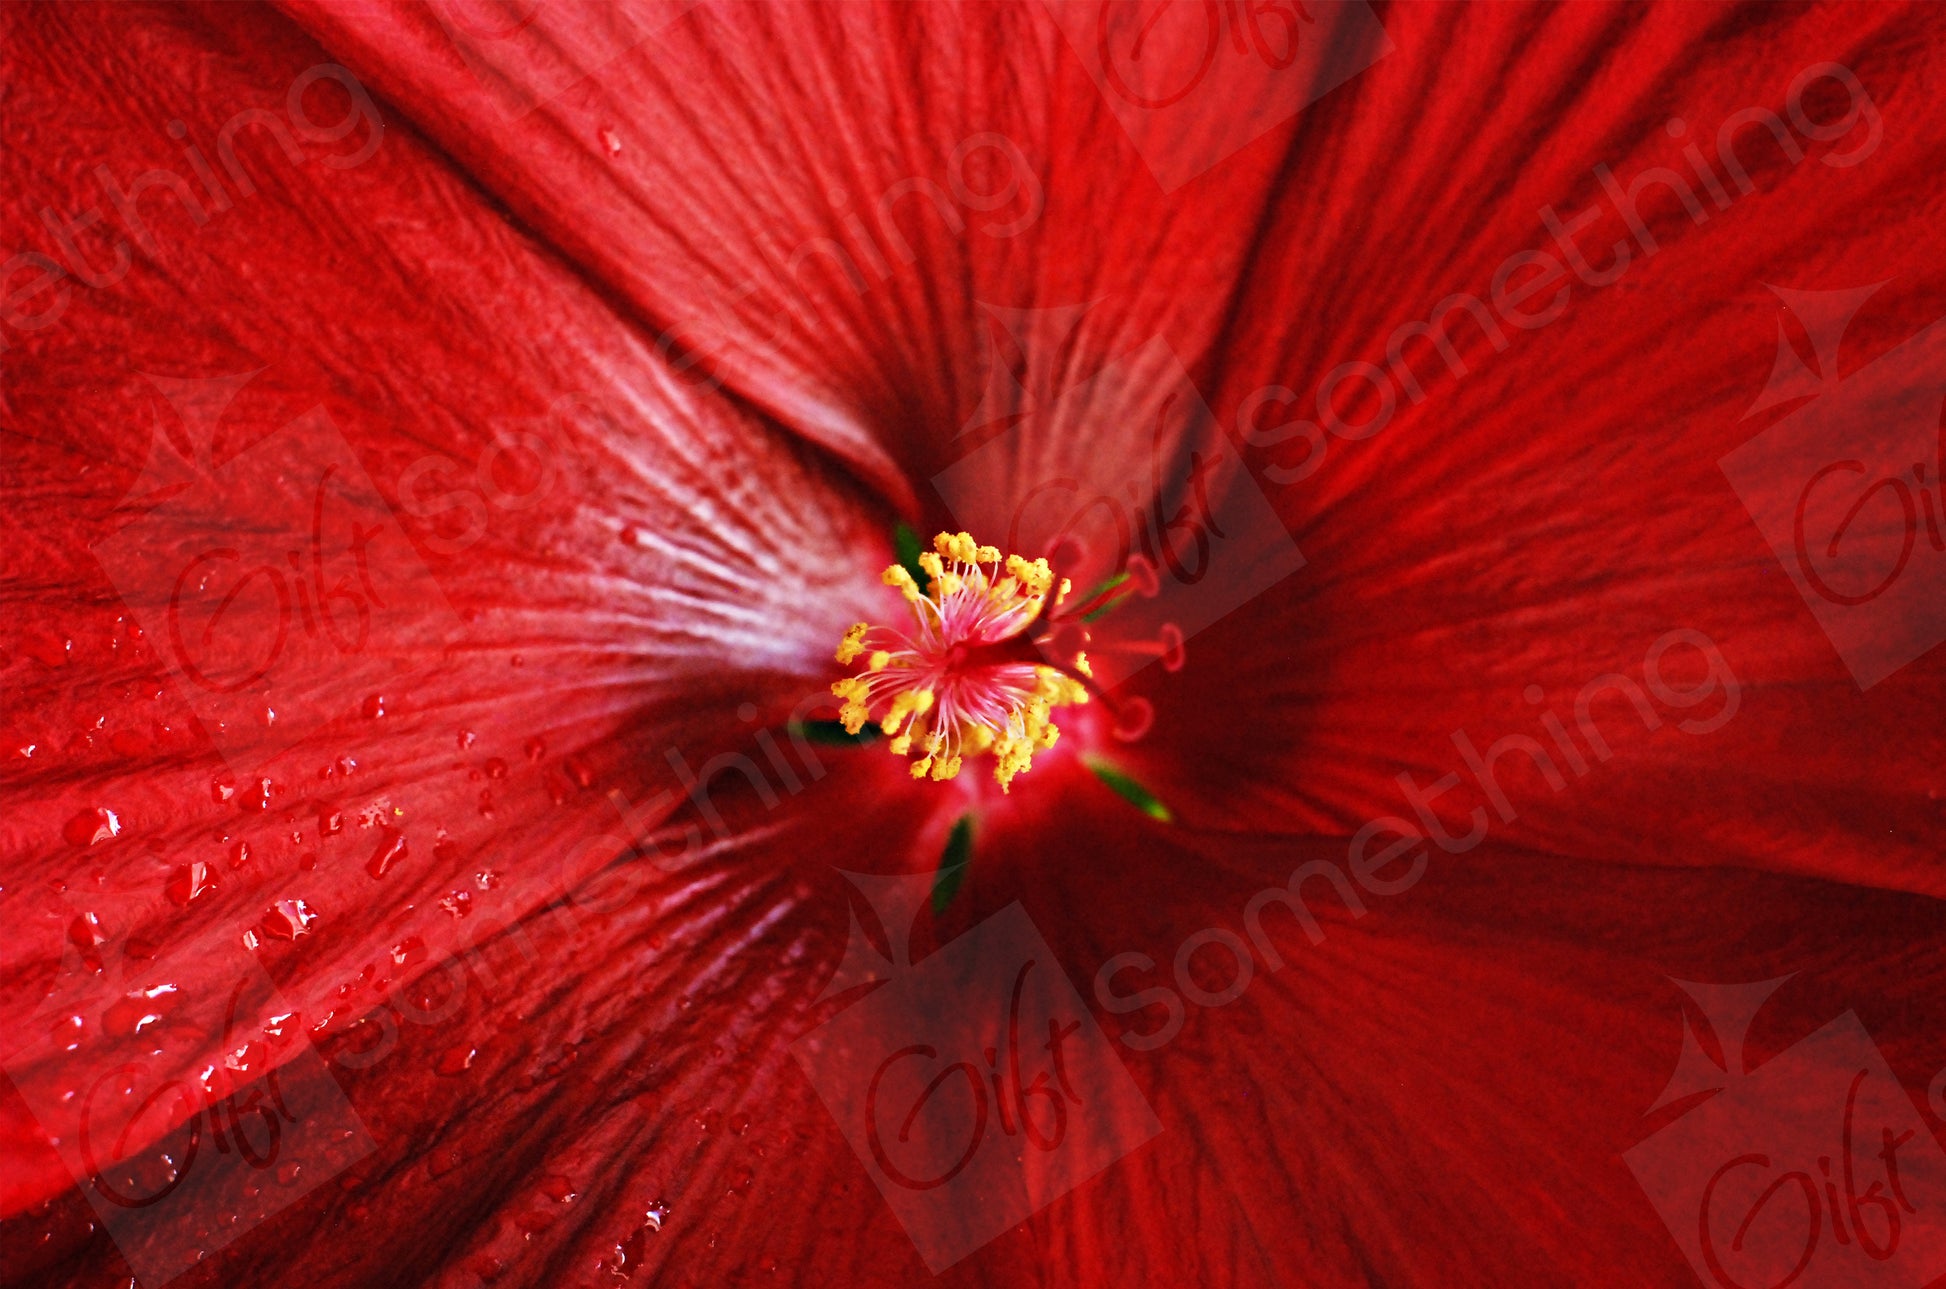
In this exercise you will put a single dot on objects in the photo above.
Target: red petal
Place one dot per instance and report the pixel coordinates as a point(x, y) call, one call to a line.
point(889, 224)
point(1476, 1055)
point(406, 476)
point(1558, 517)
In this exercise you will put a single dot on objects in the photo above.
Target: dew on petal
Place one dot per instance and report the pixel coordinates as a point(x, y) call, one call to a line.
point(610, 140)
point(288, 919)
point(136, 1012)
point(189, 883)
point(47, 648)
point(86, 933)
point(67, 1032)
point(392, 847)
point(455, 1061)
point(92, 826)
point(373, 707)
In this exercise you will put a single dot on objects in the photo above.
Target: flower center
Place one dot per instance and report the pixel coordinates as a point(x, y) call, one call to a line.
point(965, 678)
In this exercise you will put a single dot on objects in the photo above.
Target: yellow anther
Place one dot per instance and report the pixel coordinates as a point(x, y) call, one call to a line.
point(1081, 664)
point(854, 712)
point(958, 546)
point(913, 702)
point(1036, 577)
point(976, 596)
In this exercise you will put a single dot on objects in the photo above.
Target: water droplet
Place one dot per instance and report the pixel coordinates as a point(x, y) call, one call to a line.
point(256, 796)
point(486, 1266)
point(288, 919)
point(239, 855)
point(330, 822)
point(495, 768)
point(222, 789)
point(86, 932)
point(67, 1032)
point(486, 880)
point(287, 1173)
point(246, 1058)
point(47, 648)
point(536, 749)
point(465, 739)
point(579, 771)
point(455, 1061)
point(458, 904)
point(374, 707)
point(93, 825)
point(558, 1188)
point(610, 140)
point(136, 1012)
point(409, 951)
point(189, 883)
point(632, 1252)
point(392, 847)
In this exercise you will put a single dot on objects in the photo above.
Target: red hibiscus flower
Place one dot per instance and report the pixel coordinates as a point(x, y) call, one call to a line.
point(1463, 483)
